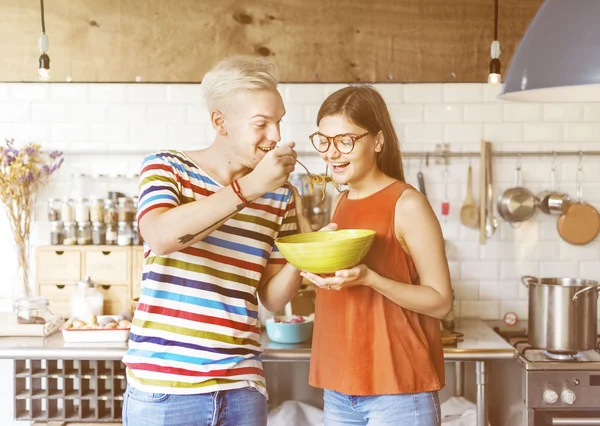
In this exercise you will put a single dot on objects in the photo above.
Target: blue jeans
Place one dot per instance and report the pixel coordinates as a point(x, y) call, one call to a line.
point(237, 407)
point(413, 409)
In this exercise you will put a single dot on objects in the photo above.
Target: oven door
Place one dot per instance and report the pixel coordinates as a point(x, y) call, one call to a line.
point(567, 417)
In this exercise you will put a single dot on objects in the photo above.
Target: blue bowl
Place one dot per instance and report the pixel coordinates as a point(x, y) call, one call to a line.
point(284, 332)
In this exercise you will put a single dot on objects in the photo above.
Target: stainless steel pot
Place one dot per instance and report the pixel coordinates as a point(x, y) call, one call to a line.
point(563, 314)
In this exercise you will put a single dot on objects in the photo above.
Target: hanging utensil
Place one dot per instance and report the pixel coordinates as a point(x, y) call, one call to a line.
point(421, 180)
point(580, 224)
point(469, 213)
point(517, 204)
point(492, 222)
point(552, 201)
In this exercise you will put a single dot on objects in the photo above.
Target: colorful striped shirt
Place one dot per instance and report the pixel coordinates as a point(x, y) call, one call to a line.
point(196, 327)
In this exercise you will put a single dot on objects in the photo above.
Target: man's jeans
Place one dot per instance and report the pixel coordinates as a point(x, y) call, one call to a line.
point(237, 407)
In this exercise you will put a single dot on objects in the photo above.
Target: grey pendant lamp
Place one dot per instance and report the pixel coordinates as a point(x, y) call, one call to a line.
point(558, 59)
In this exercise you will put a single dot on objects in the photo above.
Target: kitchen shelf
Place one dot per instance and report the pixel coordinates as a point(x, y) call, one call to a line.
point(65, 390)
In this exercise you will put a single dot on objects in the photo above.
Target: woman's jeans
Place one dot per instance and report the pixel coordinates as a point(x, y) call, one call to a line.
point(416, 409)
point(237, 407)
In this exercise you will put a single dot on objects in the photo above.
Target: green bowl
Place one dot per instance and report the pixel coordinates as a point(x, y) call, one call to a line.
point(326, 252)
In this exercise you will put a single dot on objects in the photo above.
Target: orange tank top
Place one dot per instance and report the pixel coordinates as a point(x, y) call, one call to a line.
point(363, 343)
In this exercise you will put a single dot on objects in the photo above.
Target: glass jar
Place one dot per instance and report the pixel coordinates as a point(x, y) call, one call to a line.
point(124, 234)
point(32, 310)
point(110, 212)
point(111, 234)
point(87, 301)
point(125, 209)
point(67, 211)
point(54, 207)
point(97, 210)
point(82, 210)
point(84, 233)
point(136, 239)
point(70, 234)
point(98, 233)
point(57, 233)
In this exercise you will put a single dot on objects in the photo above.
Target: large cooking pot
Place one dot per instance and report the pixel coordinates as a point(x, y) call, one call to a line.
point(562, 314)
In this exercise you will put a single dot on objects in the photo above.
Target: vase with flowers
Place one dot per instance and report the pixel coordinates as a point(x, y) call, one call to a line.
point(24, 171)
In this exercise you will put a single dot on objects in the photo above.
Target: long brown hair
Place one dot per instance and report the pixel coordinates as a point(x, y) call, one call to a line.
point(364, 106)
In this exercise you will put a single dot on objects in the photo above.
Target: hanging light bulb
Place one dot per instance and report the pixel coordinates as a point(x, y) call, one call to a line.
point(494, 77)
point(43, 44)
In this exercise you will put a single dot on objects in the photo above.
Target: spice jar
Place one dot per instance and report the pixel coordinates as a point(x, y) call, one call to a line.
point(67, 211)
point(53, 210)
point(98, 233)
point(32, 310)
point(125, 210)
point(84, 233)
point(97, 210)
point(124, 234)
point(57, 234)
point(110, 212)
point(82, 210)
point(70, 234)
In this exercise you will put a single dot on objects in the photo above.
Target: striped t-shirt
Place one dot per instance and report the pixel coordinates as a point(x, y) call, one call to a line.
point(196, 327)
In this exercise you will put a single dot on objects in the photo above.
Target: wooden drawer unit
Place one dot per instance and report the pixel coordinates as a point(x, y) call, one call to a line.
point(59, 297)
point(107, 264)
point(116, 298)
point(58, 265)
point(136, 271)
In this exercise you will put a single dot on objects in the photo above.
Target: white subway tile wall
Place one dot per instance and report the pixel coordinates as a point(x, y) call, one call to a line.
point(105, 128)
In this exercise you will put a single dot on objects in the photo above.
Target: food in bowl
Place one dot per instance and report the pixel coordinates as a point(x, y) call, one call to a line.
point(326, 252)
point(289, 329)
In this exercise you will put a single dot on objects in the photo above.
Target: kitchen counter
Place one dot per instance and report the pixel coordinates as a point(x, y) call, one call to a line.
point(480, 343)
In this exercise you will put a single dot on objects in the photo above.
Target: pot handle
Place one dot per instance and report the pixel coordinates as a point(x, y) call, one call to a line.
point(527, 278)
point(583, 290)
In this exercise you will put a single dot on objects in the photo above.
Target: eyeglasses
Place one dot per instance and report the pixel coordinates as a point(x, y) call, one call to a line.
point(344, 143)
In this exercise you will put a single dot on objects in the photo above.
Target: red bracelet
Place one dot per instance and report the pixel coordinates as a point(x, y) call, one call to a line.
point(236, 189)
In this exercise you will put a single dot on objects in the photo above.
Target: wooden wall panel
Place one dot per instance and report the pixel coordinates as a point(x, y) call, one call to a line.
point(309, 40)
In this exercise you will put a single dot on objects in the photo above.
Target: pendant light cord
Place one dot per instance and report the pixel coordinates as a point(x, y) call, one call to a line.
point(44, 23)
point(495, 19)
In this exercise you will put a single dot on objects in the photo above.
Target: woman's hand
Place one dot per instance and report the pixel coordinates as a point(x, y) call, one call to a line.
point(359, 275)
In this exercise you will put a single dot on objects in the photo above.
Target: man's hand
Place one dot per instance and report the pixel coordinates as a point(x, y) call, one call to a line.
point(273, 170)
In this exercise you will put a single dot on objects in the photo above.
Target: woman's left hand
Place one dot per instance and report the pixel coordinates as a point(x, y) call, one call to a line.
point(359, 275)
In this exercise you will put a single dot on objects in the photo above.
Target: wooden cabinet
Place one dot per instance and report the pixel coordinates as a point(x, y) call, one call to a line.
point(115, 270)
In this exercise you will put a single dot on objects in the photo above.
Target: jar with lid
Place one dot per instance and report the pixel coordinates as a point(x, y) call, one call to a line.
point(70, 234)
point(84, 233)
point(32, 310)
point(67, 211)
point(110, 212)
point(98, 233)
point(125, 209)
point(111, 234)
point(54, 207)
point(82, 210)
point(57, 233)
point(136, 239)
point(87, 301)
point(97, 209)
point(124, 234)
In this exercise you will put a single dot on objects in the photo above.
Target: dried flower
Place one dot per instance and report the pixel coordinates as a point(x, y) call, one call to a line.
point(23, 173)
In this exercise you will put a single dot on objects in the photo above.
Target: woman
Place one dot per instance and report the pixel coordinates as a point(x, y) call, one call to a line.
point(377, 348)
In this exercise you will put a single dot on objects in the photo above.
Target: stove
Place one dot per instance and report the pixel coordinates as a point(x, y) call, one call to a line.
point(545, 388)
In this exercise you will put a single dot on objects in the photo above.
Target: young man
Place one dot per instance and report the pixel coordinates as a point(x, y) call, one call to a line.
point(209, 219)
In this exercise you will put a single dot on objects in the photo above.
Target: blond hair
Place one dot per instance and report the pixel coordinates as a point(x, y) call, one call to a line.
point(237, 73)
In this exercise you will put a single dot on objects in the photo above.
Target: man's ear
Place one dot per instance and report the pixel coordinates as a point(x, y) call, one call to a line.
point(218, 122)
